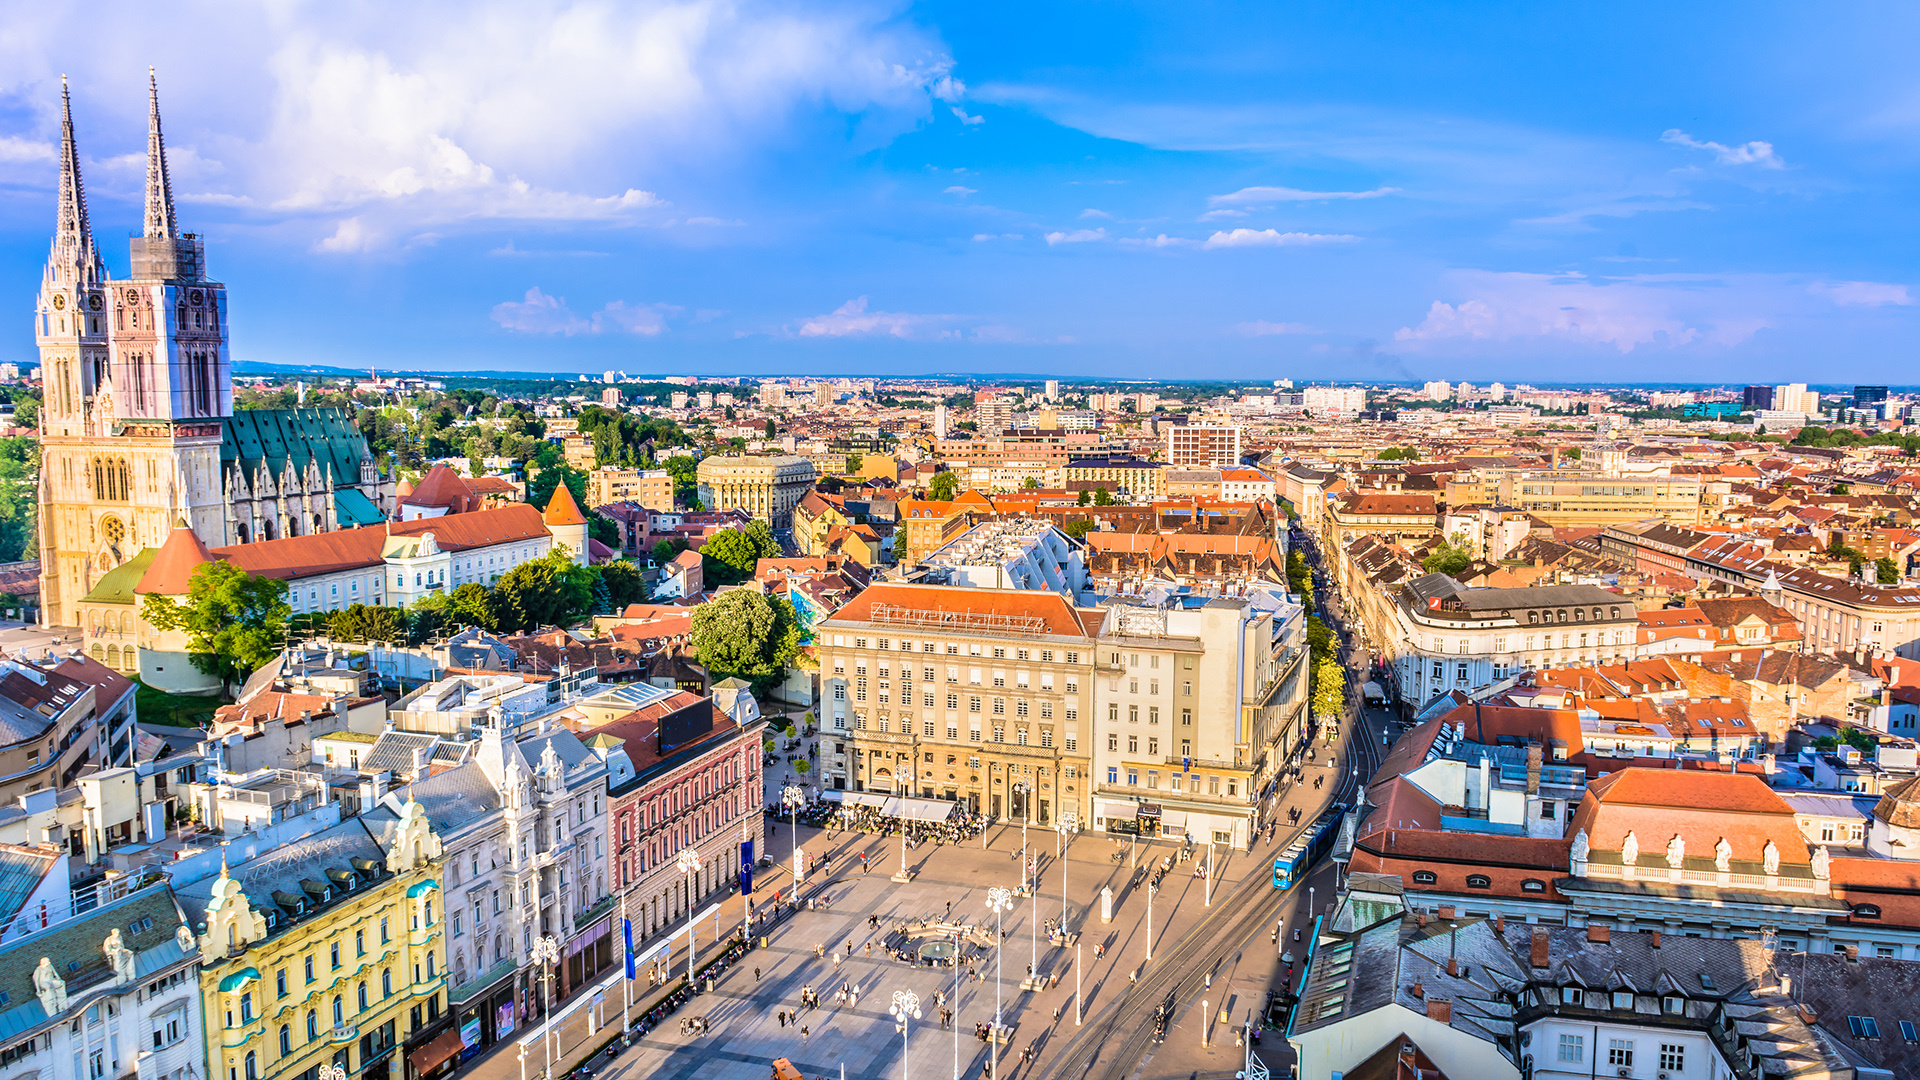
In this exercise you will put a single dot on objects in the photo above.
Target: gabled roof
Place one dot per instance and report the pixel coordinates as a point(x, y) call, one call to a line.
point(347, 549)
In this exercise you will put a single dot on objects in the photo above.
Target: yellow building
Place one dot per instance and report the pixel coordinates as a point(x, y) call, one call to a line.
point(651, 488)
point(328, 951)
point(766, 487)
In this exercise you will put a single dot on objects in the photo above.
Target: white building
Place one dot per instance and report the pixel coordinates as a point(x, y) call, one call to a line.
point(1455, 638)
point(1437, 391)
point(1333, 402)
point(1012, 553)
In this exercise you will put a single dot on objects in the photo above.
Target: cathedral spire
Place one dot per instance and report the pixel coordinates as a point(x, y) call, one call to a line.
point(72, 234)
point(160, 222)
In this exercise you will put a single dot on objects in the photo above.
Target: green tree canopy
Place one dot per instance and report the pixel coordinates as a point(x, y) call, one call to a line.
point(1078, 529)
point(540, 488)
point(943, 487)
point(1102, 497)
point(235, 622)
point(1886, 571)
point(1329, 688)
point(1450, 557)
point(472, 604)
point(625, 582)
point(548, 591)
point(743, 633)
point(730, 555)
point(358, 622)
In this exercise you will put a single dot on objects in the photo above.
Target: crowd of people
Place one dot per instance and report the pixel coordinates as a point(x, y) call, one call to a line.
point(962, 826)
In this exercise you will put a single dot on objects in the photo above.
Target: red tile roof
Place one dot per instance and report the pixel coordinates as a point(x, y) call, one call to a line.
point(173, 566)
point(349, 549)
point(1053, 614)
point(562, 510)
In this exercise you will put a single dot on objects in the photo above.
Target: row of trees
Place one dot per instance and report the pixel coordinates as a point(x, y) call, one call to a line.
point(236, 621)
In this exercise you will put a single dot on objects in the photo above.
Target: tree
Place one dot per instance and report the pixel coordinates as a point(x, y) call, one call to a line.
point(1449, 558)
point(854, 461)
point(358, 622)
point(549, 591)
point(769, 428)
point(1102, 497)
point(19, 499)
point(235, 622)
point(1078, 529)
point(1085, 498)
point(943, 487)
point(1572, 452)
point(1329, 688)
point(1030, 484)
point(743, 633)
point(472, 604)
point(540, 488)
point(686, 478)
point(728, 557)
point(1886, 571)
point(625, 582)
point(665, 550)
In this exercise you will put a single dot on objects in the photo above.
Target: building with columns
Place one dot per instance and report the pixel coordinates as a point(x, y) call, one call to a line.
point(138, 430)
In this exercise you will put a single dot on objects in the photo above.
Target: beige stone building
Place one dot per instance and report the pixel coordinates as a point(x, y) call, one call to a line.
point(138, 430)
point(983, 695)
point(766, 487)
point(651, 488)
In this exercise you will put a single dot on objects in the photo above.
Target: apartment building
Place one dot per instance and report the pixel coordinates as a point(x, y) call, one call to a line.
point(766, 487)
point(1562, 497)
point(1449, 637)
point(1199, 703)
point(1203, 445)
point(650, 488)
point(1407, 519)
point(1123, 477)
point(975, 696)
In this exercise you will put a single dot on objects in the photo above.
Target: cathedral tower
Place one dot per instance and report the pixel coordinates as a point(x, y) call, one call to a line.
point(136, 379)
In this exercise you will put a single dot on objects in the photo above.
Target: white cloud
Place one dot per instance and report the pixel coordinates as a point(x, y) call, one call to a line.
point(509, 251)
point(1861, 293)
point(965, 119)
point(539, 314)
point(543, 314)
point(1253, 195)
point(1624, 315)
point(984, 236)
point(428, 116)
point(853, 319)
point(1747, 153)
point(1090, 212)
point(1274, 238)
point(729, 223)
point(961, 191)
point(949, 89)
point(1222, 214)
point(1077, 236)
point(349, 236)
point(1618, 208)
point(14, 149)
point(1263, 328)
point(1160, 241)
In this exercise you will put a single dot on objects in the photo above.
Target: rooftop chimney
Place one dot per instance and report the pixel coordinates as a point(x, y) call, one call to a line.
point(1500, 923)
point(1440, 1009)
point(1541, 957)
point(1453, 966)
point(1446, 911)
point(1654, 939)
point(1598, 933)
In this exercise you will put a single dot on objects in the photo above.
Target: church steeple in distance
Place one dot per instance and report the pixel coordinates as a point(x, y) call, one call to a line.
point(73, 251)
point(160, 220)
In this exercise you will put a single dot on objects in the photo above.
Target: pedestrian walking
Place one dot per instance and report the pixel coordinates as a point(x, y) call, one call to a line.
point(756, 974)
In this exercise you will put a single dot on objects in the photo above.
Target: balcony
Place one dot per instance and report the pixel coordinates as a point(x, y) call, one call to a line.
point(344, 1033)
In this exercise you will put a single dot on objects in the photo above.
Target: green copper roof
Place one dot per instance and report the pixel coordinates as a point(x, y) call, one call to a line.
point(117, 586)
point(354, 508)
point(279, 439)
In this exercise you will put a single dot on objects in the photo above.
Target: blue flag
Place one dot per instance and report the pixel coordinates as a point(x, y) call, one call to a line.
point(626, 927)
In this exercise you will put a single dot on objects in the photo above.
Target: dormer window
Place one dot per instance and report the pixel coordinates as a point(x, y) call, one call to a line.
point(1623, 999)
point(1572, 995)
point(1866, 911)
point(1674, 1004)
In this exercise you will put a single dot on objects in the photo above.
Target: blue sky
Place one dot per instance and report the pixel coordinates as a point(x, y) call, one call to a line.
point(1515, 191)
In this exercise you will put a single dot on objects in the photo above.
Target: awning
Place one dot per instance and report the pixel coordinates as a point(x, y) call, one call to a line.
point(1173, 819)
point(864, 798)
point(1147, 810)
point(354, 508)
point(434, 1054)
point(918, 809)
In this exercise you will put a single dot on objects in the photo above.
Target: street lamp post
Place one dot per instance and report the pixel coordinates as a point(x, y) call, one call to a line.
point(906, 1007)
point(792, 797)
point(332, 1072)
point(1066, 825)
point(999, 900)
point(956, 1004)
point(1149, 918)
point(689, 865)
point(902, 785)
point(1021, 789)
point(546, 953)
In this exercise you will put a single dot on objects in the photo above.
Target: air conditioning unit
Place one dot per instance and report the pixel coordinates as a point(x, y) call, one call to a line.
point(1623, 1071)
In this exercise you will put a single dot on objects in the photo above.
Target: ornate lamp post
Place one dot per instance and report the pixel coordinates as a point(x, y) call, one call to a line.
point(332, 1072)
point(1067, 824)
point(906, 1006)
point(903, 784)
point(999, 901)
point(792, 797)
point(546, 953)
point(689, 865)
point(1021, 789)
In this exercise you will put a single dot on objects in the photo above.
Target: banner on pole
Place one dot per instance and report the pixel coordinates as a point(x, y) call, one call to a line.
point(746, 867)
point(626, 930)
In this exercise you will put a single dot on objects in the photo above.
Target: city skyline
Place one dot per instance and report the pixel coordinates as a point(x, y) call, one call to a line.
point(872, 190)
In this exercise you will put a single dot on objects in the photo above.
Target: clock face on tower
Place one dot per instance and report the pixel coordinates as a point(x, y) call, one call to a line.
point(59, 302)
point(95, 302)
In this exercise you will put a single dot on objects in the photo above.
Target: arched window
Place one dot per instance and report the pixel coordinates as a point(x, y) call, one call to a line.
point(286, 1040)
point(253, 1067)
point(1479, 881)
point(1533, 885)
point(313, 1025)
point(1866, 911)
point(1424, 877)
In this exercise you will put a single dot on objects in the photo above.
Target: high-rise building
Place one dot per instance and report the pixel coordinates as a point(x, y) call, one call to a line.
point(1437, 391)
point(137, 425)
point(1795, 397)
point(1203, 445)
point(993, 412)
point(822, 395)
point(1053, 389)
point(610, 397)
point(1871, 397)
point(1755, 398)
point(940, 421)
point(1333, 402)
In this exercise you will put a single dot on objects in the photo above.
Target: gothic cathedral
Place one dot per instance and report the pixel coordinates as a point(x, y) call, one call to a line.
point(137, 423)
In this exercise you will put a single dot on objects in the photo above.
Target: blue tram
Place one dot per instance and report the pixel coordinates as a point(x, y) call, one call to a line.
point(1294, 863)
